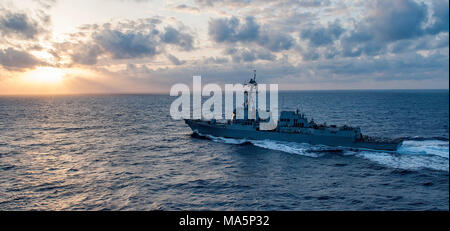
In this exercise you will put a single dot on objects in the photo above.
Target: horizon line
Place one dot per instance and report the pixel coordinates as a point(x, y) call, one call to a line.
point(159, 93)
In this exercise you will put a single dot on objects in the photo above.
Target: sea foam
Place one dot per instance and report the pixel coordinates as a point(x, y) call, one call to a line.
point(411, 155)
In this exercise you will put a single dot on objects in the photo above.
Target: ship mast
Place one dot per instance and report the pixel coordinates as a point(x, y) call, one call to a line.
point(250, 95)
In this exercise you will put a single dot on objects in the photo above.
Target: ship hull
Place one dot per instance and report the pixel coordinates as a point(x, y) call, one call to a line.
point(228, 131)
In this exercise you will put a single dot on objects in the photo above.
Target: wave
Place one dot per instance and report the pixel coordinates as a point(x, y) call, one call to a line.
point(289, 147)
point(413, 154)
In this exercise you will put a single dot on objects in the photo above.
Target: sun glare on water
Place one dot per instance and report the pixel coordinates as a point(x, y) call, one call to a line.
point(45, 75)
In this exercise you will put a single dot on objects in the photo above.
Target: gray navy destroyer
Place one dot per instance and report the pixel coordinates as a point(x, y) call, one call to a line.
point(292, 126)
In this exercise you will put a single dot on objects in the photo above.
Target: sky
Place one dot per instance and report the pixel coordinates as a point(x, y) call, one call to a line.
point(145, 46)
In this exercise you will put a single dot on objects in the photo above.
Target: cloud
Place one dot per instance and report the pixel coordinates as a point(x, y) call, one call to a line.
point(142, 38)
point(319, 36)
point(130, 44)
point(387, 27)
point(176, 37)
point(389, 21)
point(440, 17)
point(249, 55)
point(240, 3)
point(19, 25)
point(211, 3)
point(46, 4)
point(309, 54)
point(401, 67)
point(386, 22)
point(85, 54)
point(343, 72)
point(175, 60)
point(215, 60)
point(313, 3)
point(429, 42)
point(184, 7)
point(16, 60)
point(275, 40)
point(231, 30)
point(395, 20)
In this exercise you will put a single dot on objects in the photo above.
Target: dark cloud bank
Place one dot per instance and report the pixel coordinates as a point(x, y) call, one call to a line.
point(124, 41)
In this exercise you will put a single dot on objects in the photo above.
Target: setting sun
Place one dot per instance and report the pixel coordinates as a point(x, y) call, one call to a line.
point(44, 75)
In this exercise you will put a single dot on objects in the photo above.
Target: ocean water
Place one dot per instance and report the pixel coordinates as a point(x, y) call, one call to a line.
point(124, 152)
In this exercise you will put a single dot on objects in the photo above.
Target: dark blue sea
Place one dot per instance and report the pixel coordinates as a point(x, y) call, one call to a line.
point(124, 152)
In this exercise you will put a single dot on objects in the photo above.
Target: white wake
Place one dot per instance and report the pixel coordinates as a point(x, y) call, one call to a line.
point(411, 155)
